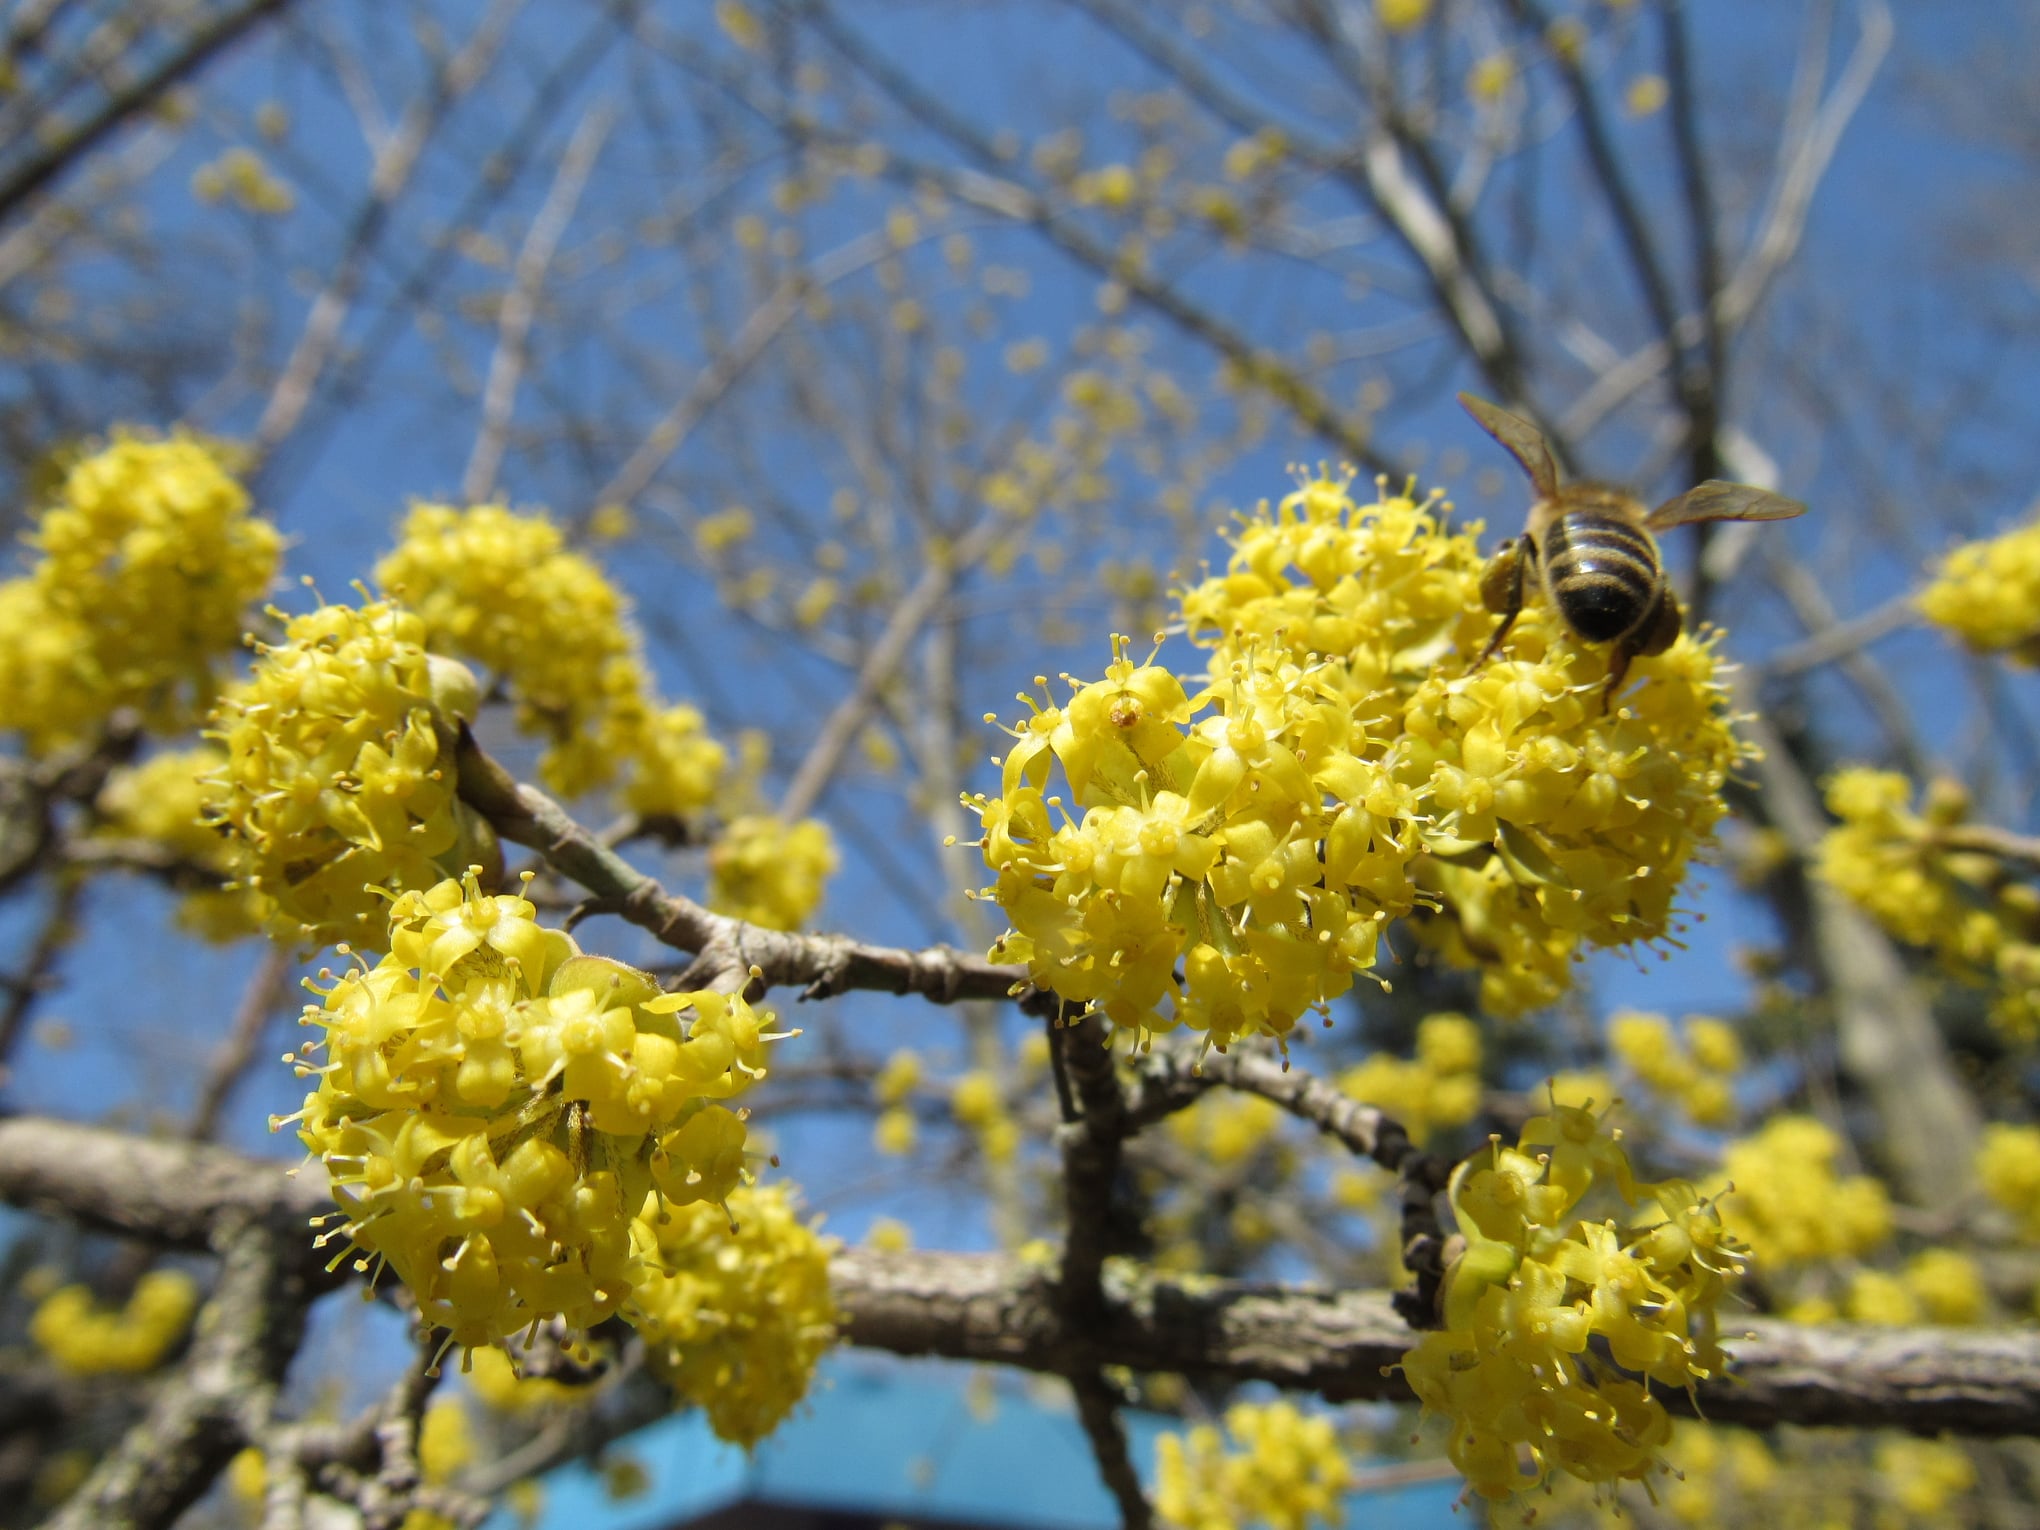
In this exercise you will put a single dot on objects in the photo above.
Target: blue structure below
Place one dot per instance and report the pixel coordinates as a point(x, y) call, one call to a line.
point(893, 1443)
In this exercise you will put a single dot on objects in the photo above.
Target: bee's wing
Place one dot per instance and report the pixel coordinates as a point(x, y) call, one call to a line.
point(1524, 441)
point(1718, 501)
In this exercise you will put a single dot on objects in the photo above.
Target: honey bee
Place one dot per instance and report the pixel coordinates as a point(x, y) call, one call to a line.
point(1591, 546)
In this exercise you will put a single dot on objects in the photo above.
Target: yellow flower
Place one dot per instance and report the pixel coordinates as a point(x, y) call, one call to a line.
point(82, 1338)
point(1227, 857)
point(1225, 1128)
point(900, 1077)
point(338, 786)
point(162, 800)
point(493, 1377)
point(504, 592)
point(1440, 1088)
point(734, 1306)
point(1948, 1286)
point(1491, 77)
point(769, 873)
point(1880, 1298)
point(1924, 1477)
point(495, 1107)
point(1646, 95)
point(1694, 1075)
point(240, 176)
point(1987, 594)
point(445, 1442)
point(1789, 1205)
point(1401, 15)
point(889, 1235)
point(1885, 858)
point(1285, 1470)
point(678, 769)
point(1536, 1285)
point(2008, 1166)
point(148, 560)
point(894, 1132)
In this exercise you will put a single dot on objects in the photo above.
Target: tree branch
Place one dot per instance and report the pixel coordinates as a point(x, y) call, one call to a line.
point(65, 149)
point(520, 303)
point(725, 949)
point(1345, 1345)
point(219, 1399)
point(998, 1309)
point(1171, 1080)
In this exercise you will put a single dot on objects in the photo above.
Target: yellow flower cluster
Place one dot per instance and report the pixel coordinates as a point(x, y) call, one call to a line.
point(1240, 849)
point(82, 1338)
point(240, 176)
point(1285, 1470)
point(505, 592)
point(734, 1306)
point(1937, 1285)
point(770, 873)
point(1923, 1478)
point(895, 1131)
point(1988, 594)
point(1543, 1298)
point(1438, 1088)
point(1226, 1128)
point(1699, 1074)
point(162, 800)
point(1961, 904)
point(495, 1107)
point(1790, 1207)
point(1717, 1477)
point(148, 559)
point(492, 1376)
point(677, 768)
point(2008, 1167)
point(979, 1105)
point(338, 788)
point(1947, 1287)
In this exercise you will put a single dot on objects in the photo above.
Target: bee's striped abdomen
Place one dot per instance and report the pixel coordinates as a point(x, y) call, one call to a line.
point(1601, 573)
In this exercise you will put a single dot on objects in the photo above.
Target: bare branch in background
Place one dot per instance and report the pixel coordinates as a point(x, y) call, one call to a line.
point(67, 145)
point(394, 166)
point(520, 303)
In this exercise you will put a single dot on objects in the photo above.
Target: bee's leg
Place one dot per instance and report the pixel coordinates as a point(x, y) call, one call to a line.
point(1653, 635)
point(1618, 668)
point(1501, 589)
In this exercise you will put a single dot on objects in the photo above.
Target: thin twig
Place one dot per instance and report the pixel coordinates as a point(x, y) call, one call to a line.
point(237, 1052)
point(727, 951)
point(28, 983)
point(392, 172)
point(65, 148)
point(1843, 638)
point(520, 303)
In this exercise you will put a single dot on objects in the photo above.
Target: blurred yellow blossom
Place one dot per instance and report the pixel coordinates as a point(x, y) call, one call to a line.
point(771, 873)
point(2008, 1166)
point(1790, 1206)
point(147, 560)
point(82, 1338)
point(1274, 1465)
point(1987, 593)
